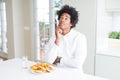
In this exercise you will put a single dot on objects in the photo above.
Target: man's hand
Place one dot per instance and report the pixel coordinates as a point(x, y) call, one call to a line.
point(58, 33)
point(57, 60)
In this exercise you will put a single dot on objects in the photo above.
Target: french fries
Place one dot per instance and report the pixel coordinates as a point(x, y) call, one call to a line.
point(42, 67)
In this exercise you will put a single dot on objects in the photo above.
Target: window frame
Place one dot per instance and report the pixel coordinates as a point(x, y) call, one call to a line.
point(3, 27)
point(52, 18)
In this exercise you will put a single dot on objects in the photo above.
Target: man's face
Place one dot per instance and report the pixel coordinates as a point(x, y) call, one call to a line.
point(64, 21)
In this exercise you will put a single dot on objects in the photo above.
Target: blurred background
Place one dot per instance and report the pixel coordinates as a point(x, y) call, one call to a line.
point(26, 26)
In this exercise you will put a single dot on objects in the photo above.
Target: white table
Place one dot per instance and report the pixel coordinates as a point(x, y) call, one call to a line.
point(12, 70)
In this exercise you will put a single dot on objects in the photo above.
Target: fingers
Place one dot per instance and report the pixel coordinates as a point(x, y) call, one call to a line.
point(58, 30)
point(58, 33)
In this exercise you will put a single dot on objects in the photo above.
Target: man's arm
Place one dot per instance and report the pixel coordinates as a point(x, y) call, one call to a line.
point(80, 55)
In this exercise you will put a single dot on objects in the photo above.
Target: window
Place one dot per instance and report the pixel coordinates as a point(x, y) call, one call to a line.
point(3, 28)
point(45, 17)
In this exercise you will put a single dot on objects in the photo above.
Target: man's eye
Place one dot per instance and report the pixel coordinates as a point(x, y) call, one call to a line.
point(66, 18)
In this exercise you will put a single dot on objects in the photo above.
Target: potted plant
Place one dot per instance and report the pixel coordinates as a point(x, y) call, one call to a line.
point(114, 40)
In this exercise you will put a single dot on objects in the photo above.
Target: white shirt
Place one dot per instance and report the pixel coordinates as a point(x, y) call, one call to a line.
point(72, 48)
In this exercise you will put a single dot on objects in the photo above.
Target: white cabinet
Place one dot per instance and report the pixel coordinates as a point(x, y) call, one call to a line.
point(107, 57)
point(107, 66)
point(112, 5)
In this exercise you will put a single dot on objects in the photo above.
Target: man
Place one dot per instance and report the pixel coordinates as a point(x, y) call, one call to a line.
point(68, 47)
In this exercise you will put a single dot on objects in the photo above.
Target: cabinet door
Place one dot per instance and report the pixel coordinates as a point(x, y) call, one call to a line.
point(112, 5)
point(107, 66)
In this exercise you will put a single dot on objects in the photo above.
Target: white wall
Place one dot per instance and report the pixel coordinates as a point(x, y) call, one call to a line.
point(28, 28)
point(86, 25)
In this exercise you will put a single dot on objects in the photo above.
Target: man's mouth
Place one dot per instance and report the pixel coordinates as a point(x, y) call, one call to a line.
point(62, 24)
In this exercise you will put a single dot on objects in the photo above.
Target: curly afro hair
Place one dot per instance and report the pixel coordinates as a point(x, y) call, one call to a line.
point(71, 11)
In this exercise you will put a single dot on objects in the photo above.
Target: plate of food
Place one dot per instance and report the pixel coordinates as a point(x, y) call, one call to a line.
point(41, 67)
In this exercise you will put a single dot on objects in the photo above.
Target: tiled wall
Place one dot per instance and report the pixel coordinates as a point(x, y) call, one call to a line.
point(116, 21)
point(106, 22)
